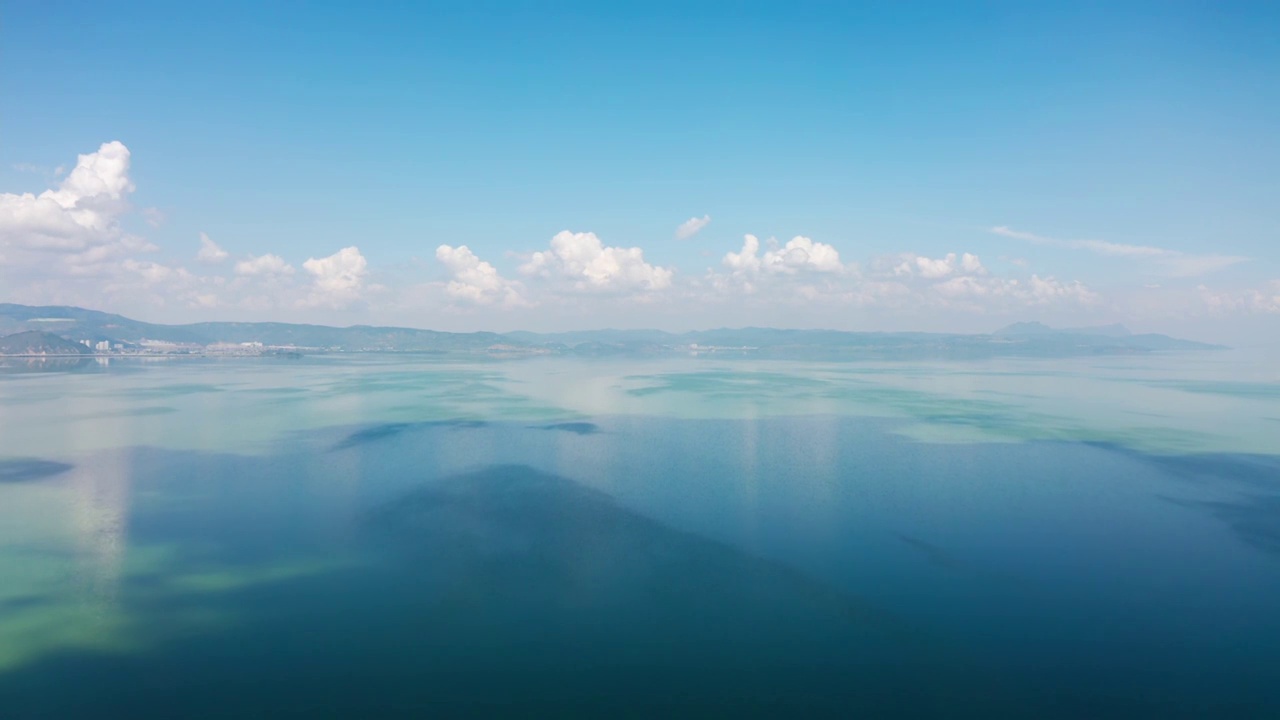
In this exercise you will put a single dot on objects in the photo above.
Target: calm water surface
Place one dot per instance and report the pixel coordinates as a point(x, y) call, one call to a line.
point(388, 535)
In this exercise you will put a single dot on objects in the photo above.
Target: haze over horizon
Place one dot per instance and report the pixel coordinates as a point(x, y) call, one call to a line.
point(499, 166)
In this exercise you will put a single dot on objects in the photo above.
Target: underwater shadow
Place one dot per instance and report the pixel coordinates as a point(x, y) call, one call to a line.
point(935, 555)
point(1255, 519)
point(1254, 469)
point(26, 470)
point(383, 431)
point(505, 590)
point(577, 428)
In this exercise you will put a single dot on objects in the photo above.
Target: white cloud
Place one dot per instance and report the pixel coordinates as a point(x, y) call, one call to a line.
point(937, 268)
point(475, 280)
point(67, 245)
point(337, 279)
point(931, 269)
point(692, 226)
point(94, 193)
point(1180, 265)
point(959, 281)
point(154, 216)
point(800, 272)
point(210, 253)
point(1020, 235)
point(979, 293)
point(82, 211)
point(1260, 300)
point(745, 261)
point(154, 273)
point(1170, 263)
point(100, 259)
point(263, 265)
point(1049, 289)
point(586, 264)
point(799, 254)
point(969, 286)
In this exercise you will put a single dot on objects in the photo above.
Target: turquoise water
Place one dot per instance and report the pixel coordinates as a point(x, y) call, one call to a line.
point(388, 535)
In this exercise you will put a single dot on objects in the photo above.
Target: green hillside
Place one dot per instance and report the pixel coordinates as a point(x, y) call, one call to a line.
point(35, 342)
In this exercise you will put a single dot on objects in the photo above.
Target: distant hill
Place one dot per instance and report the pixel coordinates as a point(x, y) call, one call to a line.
point(1101, 337)
point(81, 324)
point(1022, 339)
point(1038, 328)
point(35, 342)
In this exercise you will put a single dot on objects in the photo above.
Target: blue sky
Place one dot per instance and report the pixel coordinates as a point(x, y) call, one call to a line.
point(1128, 149)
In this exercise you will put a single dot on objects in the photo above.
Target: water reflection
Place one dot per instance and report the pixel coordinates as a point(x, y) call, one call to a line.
point(44, 364)
point(806, 565)
point(100, 508)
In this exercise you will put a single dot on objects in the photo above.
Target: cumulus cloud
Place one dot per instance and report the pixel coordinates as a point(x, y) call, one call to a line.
point(800, 254)
point(336, 281)
point(1171, 263)
point(960, 281)
point(1255, 300)
point(263, 265)
point(82, 211)
point(475, 280)
point(989, 294)
point(154, 273)
point(801, 270)
point(931, 269)
point(1048, 289)
point(692, 226)
point(747, 260)
point(210, 253)
point(68, 245)
point(586, 264)
point(936, 268)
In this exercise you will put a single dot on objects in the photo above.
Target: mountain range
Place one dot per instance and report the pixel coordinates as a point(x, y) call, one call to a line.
point(1022, 339)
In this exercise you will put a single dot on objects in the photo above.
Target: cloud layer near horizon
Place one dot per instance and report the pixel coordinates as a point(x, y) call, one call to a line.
point(69, 245)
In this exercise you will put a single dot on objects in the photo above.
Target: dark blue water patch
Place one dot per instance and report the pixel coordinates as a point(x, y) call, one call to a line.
point(672, 567)
point(560, 536)
point(26, 470)
point(165, 391)
point(577, 428)
point(512, 591)
point(144, 411)
point(1261, 471)
point(383, 431)
point(25, 602)
point(1254, 518)
point(933, 554)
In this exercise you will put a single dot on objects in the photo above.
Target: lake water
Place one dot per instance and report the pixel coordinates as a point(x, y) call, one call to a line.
point(377, 535)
